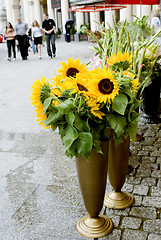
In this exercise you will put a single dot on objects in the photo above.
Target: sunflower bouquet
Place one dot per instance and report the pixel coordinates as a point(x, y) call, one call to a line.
point(85, 105)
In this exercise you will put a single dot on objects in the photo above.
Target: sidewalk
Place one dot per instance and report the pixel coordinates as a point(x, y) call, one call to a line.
point(40, 197)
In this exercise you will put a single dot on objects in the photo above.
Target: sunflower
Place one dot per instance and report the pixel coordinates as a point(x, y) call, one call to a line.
point(72, 68)
point(40, 90)
point(120, 61)
point(95, 108)
point(40, 117)
point(103, 85)
point(135, 84)
point(129, 74)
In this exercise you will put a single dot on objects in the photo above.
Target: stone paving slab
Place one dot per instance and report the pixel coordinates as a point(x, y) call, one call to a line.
point(40, 197)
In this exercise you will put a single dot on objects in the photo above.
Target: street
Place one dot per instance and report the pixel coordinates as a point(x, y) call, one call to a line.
point(40, 198)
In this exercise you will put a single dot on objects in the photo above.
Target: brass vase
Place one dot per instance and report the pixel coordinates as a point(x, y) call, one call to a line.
point(117, 170)
point(92, 176)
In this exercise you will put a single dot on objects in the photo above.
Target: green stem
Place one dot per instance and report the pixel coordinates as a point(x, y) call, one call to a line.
point(54, 97)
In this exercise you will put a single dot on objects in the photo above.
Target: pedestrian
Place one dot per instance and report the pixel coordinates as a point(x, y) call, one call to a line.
point(21, 35)
point(31, 40)
point(10, 37)
point(36, 33)
point(48, 26)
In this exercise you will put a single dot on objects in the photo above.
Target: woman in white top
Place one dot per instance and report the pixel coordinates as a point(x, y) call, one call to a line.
point(37, 36)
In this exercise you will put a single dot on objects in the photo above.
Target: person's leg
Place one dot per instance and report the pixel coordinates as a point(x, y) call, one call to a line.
point(25, 46)
point(33, 46)
point(13, 48)
point(9, 49)
point(53, 44)
point(20, 42)
point(47, 37)
point(39, 50)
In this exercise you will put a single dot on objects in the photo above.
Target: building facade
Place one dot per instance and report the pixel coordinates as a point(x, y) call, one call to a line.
point(60, 11)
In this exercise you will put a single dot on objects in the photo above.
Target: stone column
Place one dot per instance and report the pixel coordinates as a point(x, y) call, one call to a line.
point(9, 11)
point(94, 17)
point(59, 20)
point(50, 10)
point(32, 15)
point(16, 10)
point(27, 18)
point(64, 12)
point(126, 13)
point(146, 10)
point(108, 17)
point(37, 11)
point(3, 20)
point(79, 20)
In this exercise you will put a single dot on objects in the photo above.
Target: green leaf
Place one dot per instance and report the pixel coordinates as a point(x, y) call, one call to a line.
point(117, 122)
point(80, 124)
point(53, 118)
point(96, 139)
point(70, 136)
point(46, 104)
point(136, 103)
point(84, 144)
point(66, 106)
point(120, 104)
point(70, 118)
point(133, 126)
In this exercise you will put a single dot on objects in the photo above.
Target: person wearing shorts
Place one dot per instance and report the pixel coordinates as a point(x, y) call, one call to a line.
point(37, 36)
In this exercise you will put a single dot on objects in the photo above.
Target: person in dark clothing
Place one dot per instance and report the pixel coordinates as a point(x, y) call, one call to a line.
point(21, 29)
point(48, 26)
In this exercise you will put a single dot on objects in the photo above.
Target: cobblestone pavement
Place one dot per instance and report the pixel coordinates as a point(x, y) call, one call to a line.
point(40, 197)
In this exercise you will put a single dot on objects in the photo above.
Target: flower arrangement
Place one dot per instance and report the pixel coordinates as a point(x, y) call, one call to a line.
point(85, 105)
point(135, 39)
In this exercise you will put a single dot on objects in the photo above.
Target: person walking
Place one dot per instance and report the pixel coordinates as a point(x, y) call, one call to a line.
point(37, 36)
point(31, 40)
point(21, 30)
point(10, 37)
point(48, 26)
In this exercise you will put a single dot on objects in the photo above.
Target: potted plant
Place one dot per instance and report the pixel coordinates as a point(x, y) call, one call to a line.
point(84, 28)
point(120, 38)
point(58, 33)
point(88, 107)
point(72, 32)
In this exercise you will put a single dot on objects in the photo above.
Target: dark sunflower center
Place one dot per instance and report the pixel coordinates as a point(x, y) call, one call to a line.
point(71, 72)
point(106, 86)
point(82, 88)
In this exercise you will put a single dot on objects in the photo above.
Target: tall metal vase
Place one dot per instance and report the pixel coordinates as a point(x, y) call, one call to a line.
point(117, 171)
point(92, 175)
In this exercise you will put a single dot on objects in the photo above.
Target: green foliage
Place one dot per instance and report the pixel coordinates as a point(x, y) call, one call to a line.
point(140, 28)
point(84, 28)
point(59, 32)
point(72, 30)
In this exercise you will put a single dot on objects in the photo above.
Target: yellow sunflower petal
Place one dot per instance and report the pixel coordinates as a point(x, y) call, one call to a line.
point(103, 85)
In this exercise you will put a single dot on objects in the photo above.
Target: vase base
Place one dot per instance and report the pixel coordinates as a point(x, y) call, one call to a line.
point(118, 200)
point(94, 227)
point(145, 118)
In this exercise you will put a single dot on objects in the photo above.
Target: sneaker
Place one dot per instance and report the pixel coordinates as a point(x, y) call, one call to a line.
point(50, 56)
point(39, 57)
point(9, 59)
point(54, 55)
point(14, 59)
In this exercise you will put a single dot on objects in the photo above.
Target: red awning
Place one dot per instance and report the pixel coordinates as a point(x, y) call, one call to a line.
point(132, 2)
point(99, 7)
